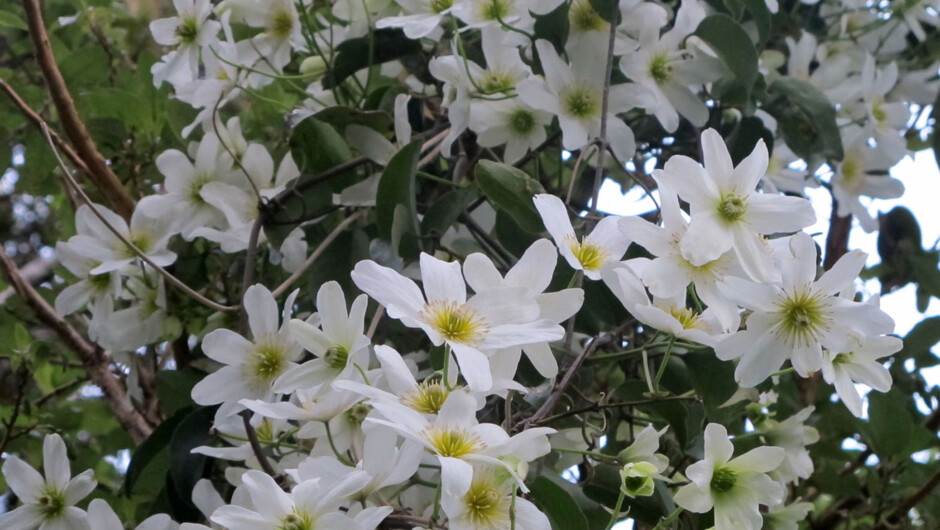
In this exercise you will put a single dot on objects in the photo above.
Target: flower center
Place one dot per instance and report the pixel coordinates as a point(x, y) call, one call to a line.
point(687, 318)
point(427, 398)
point(521, 122)
point(494, 81)
point(581, 103)
point(589, 254)
point(268, 360)
point(732, 207)
point(803, 315)
point(723, 479)
point(51, 503)
point(195, 187)
point(357, 414)
point(336, 357)
point(584, 18)
point(456, 323)
point(495, 9)
point(878, 112)
point(486, 505)
point(454, 442)
point(281, 24)
point(187, 30)
point(100, 282)
point(439, 6)
point(660, 68)
point(296, 521)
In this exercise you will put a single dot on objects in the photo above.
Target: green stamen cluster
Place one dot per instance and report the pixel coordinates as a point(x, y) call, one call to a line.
point(439, 6)
point(581, 103)
point(521, 122)
point(803, 316)
point(731, 207)
point(188, 30)
point(336, 357)
point(660, 68)
point(723, 479)
point(584, 18)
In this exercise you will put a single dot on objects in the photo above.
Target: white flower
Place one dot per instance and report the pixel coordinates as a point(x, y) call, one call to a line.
point(459, 440)
point(251, 367)
point(487, 503)
point(421, 18)
point(48, 502)
point(793, 436)
point(486, 321)
point(862, 172)
point(147, 232)
point(102, 517)
point(533, 272)
point(603, 244)
point(859, 364)
point(90, 288)
point(727, 211)
point(311, 504)
point(786, 517)
point(665, 314)
point(282, 30)
point(732, 487)
point(799, 317)
point(574, 93)
point(642, 464)
point(338, 342)
point(191, 30)
point(669, 274)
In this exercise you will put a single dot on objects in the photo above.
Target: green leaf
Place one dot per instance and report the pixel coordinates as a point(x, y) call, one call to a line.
point(891, 428)
point(174, 388)
point(316, 147)
point(554, 27)
point(807, 119)
point(561, 509)
point(340, 117)
point(187, 467)
point(745, 137)
point(762, 18)
point(935, 138)
point(511, 190)
point(733, 45)
point(444, 212)
point(607, 9)
point(395, 204)
point(12, 20)
point(353, 54)
point(147, 453)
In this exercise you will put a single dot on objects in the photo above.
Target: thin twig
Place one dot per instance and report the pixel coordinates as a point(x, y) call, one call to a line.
point(909, 502)
point(99, 172)
point(281, 289)
point(139, 253)
point(374, 324)
point(602, 406)
point(605, 106)
point(256, 445)
point(248, 276)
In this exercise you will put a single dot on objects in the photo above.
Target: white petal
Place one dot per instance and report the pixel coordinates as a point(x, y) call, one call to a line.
point(262, 310)
point(442, 280)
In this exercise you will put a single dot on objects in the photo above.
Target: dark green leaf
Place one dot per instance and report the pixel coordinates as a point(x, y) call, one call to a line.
point(511, 190)
point(147, 452)
point(174, 388)
point(340, 117)
point(762, 18)
point(561, 509)
point(745, 137)
point(807, 118)
point(733, 45)
point(554, 27)
point(935, 138)
point(192, 432)
point(607, 9)
point(353, 54)
point(395, 205)
point(444, 212)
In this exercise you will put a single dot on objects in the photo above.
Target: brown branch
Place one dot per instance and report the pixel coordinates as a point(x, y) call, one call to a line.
point(34, 272)
point(95, 360)
point(900, 512)
point(98, 170)
point(38, 121)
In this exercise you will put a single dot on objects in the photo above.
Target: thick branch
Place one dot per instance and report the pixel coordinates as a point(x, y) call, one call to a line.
point(95, 360)
point(98, 170)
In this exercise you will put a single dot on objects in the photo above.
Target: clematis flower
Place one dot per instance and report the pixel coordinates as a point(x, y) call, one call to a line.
point(726, 210)
point(594, 250)
point(148, 233)
point(311, 504)
point(533, 272)
point(792, 435)
point(459, 440)
point(859, 364)
point(574, 92)
point(486, 321)
point(487, 505)
point(798, 318)
point(338, 342)
point(102, 517)
point(669, 274)
point(734, 488)
point(251, 366)
point(420, 18)
point(189, 31)
point(48, 501)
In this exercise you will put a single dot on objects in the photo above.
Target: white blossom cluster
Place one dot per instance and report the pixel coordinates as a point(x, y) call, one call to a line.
point(357, 433)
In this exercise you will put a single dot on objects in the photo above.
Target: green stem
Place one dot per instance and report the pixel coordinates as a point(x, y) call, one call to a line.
point(668, 520)
point(339, 456)
point(437, 504)
point(665, 361)
point(614, 517)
